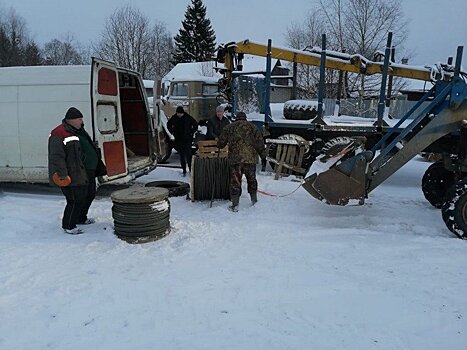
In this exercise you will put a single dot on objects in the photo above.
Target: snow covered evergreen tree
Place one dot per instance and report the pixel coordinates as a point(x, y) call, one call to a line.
point(196, 40)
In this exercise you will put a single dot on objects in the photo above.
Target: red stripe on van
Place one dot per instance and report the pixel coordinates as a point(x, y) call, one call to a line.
point(114, 158)
point(107, 82)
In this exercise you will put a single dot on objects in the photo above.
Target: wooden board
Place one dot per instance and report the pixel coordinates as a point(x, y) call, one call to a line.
point(209, 149)
point(288, 159)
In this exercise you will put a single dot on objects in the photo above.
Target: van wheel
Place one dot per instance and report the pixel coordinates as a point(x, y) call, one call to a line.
point(454, 209)
point(176, 188)
point(435, 183)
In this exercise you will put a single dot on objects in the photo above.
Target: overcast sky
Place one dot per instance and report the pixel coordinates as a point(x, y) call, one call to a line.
point(436, 27)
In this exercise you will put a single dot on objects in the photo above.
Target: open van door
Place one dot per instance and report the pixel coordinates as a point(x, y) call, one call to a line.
point(107, 128)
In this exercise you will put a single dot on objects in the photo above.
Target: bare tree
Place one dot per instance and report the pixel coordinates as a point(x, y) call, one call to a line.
point(126, 39)
point(129, 40)
point(366, 27)
point(162, 50)
point(303, 36)
point(64, 52)
point(357, 26)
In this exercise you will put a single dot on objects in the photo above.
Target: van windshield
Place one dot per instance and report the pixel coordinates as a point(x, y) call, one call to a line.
point(180, 89)
point(210, 90)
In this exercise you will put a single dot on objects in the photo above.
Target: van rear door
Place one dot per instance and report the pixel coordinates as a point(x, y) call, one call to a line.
point(107, 118)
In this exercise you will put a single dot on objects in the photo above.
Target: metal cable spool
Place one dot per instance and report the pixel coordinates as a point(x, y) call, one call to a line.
point(141, 214)
point(210, 178)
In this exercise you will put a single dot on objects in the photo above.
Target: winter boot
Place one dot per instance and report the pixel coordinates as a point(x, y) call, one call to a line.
point(254, 198)
point(234, 206)
point(73, 231)
point(88, 221)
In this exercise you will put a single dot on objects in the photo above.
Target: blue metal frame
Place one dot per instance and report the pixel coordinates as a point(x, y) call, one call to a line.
point(382, 94)
point(322, 71)
point(437, 101)
point(429, 94)
point(267, 95)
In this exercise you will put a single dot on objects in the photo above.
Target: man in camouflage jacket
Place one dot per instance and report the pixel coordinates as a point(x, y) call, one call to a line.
point(245, 143)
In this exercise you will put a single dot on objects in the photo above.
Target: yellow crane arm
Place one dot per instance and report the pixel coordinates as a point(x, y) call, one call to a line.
point(349, 63)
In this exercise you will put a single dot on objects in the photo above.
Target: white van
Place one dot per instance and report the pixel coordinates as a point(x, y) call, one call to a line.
point(34, 100)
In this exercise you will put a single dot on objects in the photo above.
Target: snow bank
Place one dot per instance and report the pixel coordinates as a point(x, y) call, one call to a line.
point(288, 273)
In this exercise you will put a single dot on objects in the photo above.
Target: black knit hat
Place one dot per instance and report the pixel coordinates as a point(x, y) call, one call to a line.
point(73, 113)
point(180, 110)
point(241, 116)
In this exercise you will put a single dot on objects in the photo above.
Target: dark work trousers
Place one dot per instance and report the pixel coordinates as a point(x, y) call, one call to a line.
point(236, 174)
point(184, 150)
point(78, 201)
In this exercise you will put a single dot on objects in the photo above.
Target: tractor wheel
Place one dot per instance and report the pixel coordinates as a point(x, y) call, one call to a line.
point(454, 209)
point(336, 147)
point(435, 183)
point(300, 109)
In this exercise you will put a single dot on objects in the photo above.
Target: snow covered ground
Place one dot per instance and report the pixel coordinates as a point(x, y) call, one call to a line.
point(288, 273)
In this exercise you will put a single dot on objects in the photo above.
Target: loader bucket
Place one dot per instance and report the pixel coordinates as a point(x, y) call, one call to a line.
point(342, 183)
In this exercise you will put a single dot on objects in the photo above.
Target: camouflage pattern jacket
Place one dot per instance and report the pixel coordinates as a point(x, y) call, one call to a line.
point(244, 140)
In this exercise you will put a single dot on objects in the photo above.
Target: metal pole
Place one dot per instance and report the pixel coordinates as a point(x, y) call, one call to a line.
point(294, 82)
point(457, 67)
point(388, 97)
point(267, 95)
point(382, 94)
point(232, 88)
point(337, 107)
point(322, 72)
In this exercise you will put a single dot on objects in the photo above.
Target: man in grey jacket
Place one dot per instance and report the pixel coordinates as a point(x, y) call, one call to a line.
point(216, 124)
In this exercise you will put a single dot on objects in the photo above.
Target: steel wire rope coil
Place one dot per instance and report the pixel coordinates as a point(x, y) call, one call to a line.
point(141, 210)
point(141, 214)
point(211, 178)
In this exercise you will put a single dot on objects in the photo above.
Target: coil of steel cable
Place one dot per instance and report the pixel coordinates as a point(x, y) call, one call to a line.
point(210, 178)
point(141, 214)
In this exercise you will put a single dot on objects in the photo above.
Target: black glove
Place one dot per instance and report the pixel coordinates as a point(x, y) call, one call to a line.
point(263, 164)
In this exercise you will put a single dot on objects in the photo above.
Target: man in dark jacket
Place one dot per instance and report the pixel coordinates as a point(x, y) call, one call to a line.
point(74, 163)
point(183, 126)
point(216, 124)
point(245, 143)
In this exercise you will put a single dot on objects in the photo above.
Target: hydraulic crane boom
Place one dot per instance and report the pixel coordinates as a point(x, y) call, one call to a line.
point(334, 60)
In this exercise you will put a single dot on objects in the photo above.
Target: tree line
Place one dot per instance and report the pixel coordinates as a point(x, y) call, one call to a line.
point(128, 38)
point(131, 40)
point(352, 26)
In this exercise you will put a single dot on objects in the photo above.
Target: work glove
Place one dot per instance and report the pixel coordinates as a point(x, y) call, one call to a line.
point(61, 181)
point(263, 164)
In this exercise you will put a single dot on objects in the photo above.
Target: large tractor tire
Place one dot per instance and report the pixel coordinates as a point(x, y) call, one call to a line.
point(454, 209)
point(300, 109)
point(435, 183)
point(336, 147)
